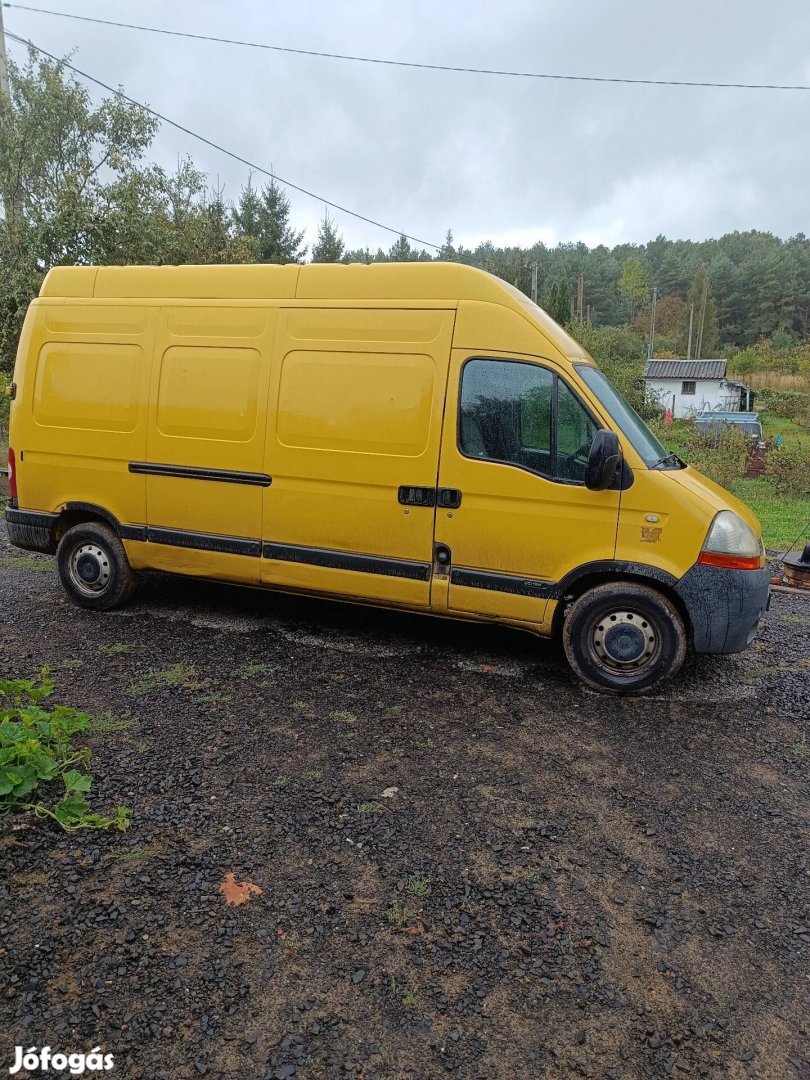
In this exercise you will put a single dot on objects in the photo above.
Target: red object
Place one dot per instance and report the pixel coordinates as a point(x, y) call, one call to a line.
point(731, 562)
point(12, 475)
point(668, 416)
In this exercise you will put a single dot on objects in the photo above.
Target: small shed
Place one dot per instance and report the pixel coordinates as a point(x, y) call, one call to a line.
point(688, 387)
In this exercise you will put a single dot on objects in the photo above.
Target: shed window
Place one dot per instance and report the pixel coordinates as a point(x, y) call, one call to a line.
point(688, 386)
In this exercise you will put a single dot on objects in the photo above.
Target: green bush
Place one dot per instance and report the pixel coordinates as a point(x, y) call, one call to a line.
point(792, 404)
point(620, 353)
point(721, 455)
point(5, 403)
point(36, 749)
point(788, 471)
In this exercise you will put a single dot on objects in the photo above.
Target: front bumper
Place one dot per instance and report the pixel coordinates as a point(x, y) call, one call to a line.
point(724, 606)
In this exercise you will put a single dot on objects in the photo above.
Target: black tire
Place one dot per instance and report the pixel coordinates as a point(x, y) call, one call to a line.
point(94, 568)
point(624, 638)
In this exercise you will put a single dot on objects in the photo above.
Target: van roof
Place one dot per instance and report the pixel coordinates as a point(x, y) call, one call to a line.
point(433, 282)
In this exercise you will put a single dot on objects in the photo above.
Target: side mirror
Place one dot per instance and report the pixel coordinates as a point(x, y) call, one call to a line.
point(604, 460)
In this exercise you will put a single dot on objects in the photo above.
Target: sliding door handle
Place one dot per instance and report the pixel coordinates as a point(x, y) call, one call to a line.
point(417, 496)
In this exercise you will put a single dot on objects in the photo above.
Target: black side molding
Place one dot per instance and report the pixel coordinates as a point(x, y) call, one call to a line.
point(345, 560)
point(226, 545)
point(506, 583)
point(192, 472)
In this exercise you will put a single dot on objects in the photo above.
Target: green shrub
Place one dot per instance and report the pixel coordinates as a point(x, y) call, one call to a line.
point(36, 749)
point(721, 455)
point(792, 404)
point(788, 470)
point(620, 353)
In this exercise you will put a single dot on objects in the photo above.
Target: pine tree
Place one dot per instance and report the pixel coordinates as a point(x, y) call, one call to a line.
point(329, 247)
point(265, 217)
point(359, 255)
point(447, 252)
point(401, 250)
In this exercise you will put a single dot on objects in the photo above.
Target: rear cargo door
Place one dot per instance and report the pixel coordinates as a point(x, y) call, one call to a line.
point(355, 416)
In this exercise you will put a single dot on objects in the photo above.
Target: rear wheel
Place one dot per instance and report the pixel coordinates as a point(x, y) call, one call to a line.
point(93, 567)
point(625, 638)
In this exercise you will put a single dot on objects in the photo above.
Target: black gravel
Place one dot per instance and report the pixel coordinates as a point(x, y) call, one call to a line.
point(561, 885)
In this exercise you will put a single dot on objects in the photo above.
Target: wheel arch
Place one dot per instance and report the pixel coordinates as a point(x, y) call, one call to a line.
point(607, 572)
point(77, 513)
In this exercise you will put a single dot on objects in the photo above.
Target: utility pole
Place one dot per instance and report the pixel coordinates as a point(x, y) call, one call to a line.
point(534, 282)
point(580, 296)
point(651, 345)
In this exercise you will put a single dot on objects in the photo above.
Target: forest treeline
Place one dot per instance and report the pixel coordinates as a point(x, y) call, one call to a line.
point(77, 187)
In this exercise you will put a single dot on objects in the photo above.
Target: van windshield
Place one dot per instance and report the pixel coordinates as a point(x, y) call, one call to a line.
point(626, 418)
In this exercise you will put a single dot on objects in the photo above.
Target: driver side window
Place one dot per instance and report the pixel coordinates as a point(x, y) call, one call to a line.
point(575, 433)
point(522, 414)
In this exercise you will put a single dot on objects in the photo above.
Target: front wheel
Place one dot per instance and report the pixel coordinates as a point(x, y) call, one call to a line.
point(93, 567)
point(625, 638)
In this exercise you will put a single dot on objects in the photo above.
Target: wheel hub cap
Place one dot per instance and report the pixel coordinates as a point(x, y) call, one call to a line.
point(90, 569)
point(624, 640)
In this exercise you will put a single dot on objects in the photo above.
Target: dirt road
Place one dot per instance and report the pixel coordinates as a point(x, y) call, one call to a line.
point(471, 866)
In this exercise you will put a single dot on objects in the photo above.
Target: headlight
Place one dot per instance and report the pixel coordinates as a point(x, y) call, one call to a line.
point(732, 543)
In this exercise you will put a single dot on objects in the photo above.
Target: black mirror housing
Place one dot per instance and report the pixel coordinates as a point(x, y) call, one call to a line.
point(604, 460)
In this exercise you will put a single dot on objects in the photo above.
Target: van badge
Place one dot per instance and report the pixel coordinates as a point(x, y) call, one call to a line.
point(650, 536)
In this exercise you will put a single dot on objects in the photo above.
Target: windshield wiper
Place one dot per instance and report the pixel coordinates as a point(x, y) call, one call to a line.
point(671, 459)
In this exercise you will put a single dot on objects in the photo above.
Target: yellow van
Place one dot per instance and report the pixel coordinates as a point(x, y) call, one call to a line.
point(419, 436)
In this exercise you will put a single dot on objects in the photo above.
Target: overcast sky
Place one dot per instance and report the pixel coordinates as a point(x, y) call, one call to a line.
point(506, 159)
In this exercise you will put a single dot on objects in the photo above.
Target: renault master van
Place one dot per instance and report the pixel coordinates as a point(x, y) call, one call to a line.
point(418, 436)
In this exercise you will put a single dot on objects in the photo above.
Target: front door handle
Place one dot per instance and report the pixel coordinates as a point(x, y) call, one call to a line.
point(449, 498)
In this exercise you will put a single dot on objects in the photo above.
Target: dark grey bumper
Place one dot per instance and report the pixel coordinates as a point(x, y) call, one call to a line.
point(31, 529)
point(724, 606)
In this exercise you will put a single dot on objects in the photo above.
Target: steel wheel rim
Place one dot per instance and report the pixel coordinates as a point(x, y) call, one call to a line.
point(625, 642)
point(89, 569)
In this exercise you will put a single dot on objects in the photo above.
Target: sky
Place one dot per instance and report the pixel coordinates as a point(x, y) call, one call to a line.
point(511, 160)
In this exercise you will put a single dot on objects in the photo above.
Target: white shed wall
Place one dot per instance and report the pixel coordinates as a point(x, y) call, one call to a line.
point(709, 394)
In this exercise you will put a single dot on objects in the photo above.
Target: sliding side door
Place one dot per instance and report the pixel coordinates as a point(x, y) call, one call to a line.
point(357, 398)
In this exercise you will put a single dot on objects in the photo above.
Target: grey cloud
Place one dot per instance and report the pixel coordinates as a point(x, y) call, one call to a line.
point(504, 159)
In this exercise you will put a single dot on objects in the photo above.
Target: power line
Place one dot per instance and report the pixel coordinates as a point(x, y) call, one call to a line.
point(407, 63)
point(209, 142)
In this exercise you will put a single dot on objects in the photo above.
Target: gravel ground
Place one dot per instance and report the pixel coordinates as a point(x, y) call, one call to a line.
point(471, 866)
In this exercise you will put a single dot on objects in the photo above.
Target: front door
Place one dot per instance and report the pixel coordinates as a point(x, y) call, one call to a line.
point(514, 449)
point(356, 403)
